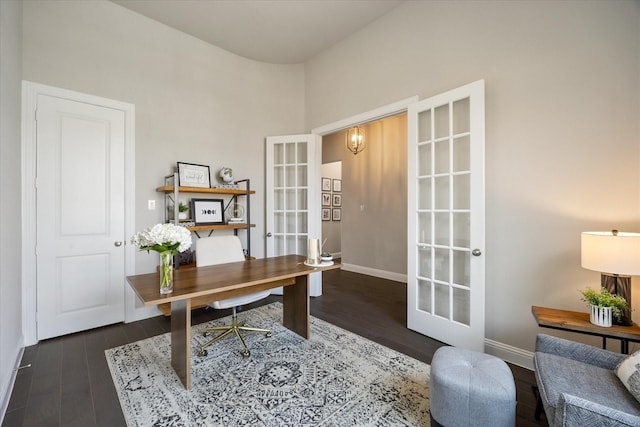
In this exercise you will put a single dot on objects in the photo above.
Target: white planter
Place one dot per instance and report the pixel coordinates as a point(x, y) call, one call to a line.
point(601, 316)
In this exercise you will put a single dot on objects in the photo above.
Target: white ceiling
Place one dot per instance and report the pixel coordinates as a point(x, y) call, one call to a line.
point(274, 31)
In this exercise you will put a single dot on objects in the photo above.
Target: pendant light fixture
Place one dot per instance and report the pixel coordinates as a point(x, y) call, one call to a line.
point(355, 140)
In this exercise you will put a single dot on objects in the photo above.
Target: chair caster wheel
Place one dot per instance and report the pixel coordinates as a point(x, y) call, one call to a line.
point(268, 334)
point(206, 334)
point(202, 353)
point(246, 353)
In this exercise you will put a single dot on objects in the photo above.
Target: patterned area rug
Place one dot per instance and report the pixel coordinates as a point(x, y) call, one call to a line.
point(336, 378)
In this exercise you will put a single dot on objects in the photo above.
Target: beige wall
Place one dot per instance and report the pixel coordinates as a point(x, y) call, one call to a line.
point(11, 341)
point(331, 230)
point(562, 128)
point(374, 201)
point(194, 102)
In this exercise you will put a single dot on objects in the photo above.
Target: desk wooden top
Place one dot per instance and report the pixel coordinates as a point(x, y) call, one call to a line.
point(222, 279)
point(579, 322)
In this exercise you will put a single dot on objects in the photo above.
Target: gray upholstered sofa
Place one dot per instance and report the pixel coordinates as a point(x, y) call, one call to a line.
point(578, 385)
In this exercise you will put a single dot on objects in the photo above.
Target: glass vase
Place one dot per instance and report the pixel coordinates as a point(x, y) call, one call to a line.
point(166, 272)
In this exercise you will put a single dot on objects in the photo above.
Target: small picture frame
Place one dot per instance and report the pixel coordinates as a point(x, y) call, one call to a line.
point(207, 211)
point(326, 184)
point(336, 215)
point(337, 185)
point(336, 200)
point(326, 214)
point(326, 199)
point(191, 175)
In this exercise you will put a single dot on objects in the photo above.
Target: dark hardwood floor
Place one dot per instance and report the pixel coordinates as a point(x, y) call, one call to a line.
point(68, 382)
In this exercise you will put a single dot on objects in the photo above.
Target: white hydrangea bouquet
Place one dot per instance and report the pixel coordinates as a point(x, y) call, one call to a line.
point(166, 239)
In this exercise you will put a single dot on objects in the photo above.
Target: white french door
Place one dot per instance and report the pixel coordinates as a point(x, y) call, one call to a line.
point(80, 221)
point(292, 197)
point(445, 269)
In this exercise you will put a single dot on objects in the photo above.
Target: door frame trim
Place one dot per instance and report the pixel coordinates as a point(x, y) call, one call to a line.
point(30, 93)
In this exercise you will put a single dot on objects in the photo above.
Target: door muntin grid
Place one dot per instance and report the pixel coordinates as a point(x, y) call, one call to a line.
point(443, 212)
point(290, 178)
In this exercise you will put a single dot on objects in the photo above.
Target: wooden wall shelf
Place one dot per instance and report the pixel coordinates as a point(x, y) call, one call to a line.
point(169, 189)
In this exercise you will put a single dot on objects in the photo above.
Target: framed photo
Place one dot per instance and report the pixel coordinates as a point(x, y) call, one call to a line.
point(326, 214)
point(336, 215)
point(190, 175)
point(326, 184)
point(326, 199)
point(207, 211)
point(337, 185)
point(337, 200)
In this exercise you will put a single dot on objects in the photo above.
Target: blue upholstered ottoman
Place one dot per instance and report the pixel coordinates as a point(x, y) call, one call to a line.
point(468, 388)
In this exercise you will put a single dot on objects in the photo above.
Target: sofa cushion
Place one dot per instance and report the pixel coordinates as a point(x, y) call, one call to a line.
point(557, 375)
point(629, 373)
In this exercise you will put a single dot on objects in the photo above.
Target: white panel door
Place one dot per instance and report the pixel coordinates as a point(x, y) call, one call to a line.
point(445, 270)
point(292, 197)
point(80, 216)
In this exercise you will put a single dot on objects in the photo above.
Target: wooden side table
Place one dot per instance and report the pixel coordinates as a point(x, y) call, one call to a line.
point(575, 321)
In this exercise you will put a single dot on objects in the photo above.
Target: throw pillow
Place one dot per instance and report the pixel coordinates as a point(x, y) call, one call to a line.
point(629, 373)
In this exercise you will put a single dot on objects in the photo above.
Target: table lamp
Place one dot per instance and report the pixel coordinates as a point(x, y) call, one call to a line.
point(616, 255)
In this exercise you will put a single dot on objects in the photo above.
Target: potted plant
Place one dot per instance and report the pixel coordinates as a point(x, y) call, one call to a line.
point(603, 305)
point(183, 208)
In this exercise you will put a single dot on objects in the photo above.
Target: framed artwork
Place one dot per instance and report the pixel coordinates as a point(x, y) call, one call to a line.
point(326, 214)
point(336, 215)
point(207, 211)
point(337, 200)
point(326, 184)
point(337, 185)
point(190, 175)
point(326, 199)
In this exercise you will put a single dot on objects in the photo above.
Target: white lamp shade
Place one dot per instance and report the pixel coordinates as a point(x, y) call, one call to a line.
point(606, 253)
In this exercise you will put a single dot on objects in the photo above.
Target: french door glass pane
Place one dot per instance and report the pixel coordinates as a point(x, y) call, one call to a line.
point(278, 176)
point(424, 262)
point(424, 295)
point(290, 176)
point(461, 229)
point(290, 153)
point(442, 228)
point(302, 199)
point(462, 191)
point(441, 154)
point(442, 192)
point(461, 304)
point(278, 154)
point(441, 265)
point(279, 245)
point(278, 200)
point(424, 194)
point(278, 218)
point(424, 227)
point(461, 266)
point(441, 119)
point(461, 122)
point(424, 159)
point(441, 300)
point(291, 199)
point(302, 152)
point(302, 176)
point(461, 154)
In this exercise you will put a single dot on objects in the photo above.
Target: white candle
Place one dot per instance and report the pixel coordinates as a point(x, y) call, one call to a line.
point(313, 250)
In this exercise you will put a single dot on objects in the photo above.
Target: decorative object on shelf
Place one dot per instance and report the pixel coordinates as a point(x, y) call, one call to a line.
point(326, 257)
point(166, 239)
point(616, 255)
point(207, 211)
point(603, 305)
point(226, 175)
point(326, 184)
point(183, 208)
point(235, 213)
point(191, 175)
point(355, 140)
point(336, 215)
point(337, 185)
point(313, 258)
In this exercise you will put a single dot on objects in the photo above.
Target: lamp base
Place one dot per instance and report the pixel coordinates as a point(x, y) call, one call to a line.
point(621, 286)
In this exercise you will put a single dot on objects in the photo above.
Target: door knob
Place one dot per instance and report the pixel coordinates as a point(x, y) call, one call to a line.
point(269, 234)
point(117, 243)
point(476, 252)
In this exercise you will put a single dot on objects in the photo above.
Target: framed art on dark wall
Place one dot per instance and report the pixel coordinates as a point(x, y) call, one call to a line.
point(337, 200)
point(336, 214)
point(190, 175)
point(326, 199)
point(207, 211)
point(337, 185)
point(326, 184)
point(326, 214)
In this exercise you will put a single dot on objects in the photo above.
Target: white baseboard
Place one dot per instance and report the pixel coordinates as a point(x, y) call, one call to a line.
point(7, 388)
point(510, 354)
point(389, 275)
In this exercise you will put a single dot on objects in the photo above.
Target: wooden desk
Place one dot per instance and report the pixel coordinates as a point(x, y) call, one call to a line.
point(575, 321)
point(224, 281)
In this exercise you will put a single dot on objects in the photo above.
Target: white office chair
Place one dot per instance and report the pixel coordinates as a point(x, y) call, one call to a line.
point(220, 250)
